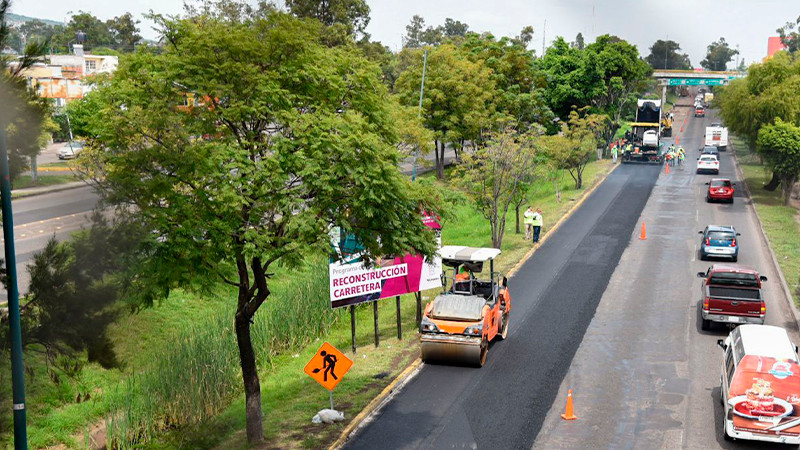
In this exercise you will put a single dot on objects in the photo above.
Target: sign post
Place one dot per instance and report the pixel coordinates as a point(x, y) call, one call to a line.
point(327, 367)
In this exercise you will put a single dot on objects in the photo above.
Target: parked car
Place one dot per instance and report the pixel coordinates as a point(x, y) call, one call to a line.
point(732, 295)
point(70, 150)
point(719, 241)
point(708, 163)
point(710, 150)
point(699, 111)
point(720, 189)
point(760, 385)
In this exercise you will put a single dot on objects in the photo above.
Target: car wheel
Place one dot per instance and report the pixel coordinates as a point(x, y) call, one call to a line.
point(705, 325)
point(735, 259)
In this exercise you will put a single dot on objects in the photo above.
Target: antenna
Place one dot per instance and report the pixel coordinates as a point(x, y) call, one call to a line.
point(544, 33)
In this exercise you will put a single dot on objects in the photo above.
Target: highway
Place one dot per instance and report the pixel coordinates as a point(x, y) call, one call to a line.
point(40, 217)
point(612, 317)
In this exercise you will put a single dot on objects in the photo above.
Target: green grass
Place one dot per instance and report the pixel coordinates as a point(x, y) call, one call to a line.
point(780, 221)
point(60, 164)
point(180, 385)
point(24, 181)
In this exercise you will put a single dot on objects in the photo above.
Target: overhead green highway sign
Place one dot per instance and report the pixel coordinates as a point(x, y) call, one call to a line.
point(696, 82)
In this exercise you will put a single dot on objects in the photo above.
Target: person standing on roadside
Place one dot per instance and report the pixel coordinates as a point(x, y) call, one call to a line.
point(528, 220)
point(614, 153)
point(537, 224)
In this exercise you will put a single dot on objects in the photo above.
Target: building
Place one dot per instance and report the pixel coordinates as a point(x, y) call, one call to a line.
point(774, 44)
point(63, 78)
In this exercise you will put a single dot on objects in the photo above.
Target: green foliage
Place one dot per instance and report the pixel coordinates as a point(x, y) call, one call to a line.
point(494, 174)
point(666, 54)
point(417, 35)
point(779, 145)
point(790, 35)
point(718, 55)
point(353, 14)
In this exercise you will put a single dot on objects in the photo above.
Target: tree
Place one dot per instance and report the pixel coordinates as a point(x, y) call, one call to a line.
point(779, 144)
point(718, 55)
point(666, 55)
point(125, 32)
point(525, 36)
point(582, 130)
point(556, 150)
point(35, 29)
point(458, 96)
point(418, 35)
point(353, 14)
point(414, 30)
point(24, 115)
point(579, 43)
point(790, 36)
point(494, 174)
point(573, 77)
point(86, 29)
point(289, 139)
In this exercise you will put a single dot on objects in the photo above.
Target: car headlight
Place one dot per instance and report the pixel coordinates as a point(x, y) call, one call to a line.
point(474, 330)
point(426, 325)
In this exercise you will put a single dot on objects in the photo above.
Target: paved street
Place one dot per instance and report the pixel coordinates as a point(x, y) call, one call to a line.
point(645, 375)
point(38, 218)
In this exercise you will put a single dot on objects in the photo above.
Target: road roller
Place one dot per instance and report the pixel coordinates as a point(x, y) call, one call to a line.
point(458, 325)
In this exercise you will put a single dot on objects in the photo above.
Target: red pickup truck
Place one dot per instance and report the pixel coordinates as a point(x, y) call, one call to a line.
point(732, 294)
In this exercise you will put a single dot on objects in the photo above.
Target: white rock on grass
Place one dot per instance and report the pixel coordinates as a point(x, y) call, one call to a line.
point(328, 416)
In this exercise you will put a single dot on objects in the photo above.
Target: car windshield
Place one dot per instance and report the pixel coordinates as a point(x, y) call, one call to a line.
point(720, 183)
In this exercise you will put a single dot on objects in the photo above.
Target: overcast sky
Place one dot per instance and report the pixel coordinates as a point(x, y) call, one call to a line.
point(692, 23)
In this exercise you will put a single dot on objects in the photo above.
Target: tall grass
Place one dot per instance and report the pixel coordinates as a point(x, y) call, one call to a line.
point(198, 375)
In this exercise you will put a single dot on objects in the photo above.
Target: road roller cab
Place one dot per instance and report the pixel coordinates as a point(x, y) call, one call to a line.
point(472, 310)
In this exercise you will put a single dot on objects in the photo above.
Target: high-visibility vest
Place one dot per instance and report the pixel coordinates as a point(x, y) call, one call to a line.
point(529, 217)
point(537, 220)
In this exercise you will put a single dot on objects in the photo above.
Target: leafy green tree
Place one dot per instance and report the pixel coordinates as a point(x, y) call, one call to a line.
point(582, 130)
point(790, 36)
point(289, 139)
point(125, 32)
point(573, 77)
point(354, 14)
point(37, 30)
point(494, 174)
point(417, 35)
point(666, 55)
point(556, 150)
point(458, 101)
point(579, 43)
point(718, 55)
point(525, 36)
point(779, 144)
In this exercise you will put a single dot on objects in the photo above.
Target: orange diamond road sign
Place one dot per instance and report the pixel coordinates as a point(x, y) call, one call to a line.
point(328, 366)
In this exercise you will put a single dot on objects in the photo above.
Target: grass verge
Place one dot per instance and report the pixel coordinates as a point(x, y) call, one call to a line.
point(780, 221)
point(25, 181)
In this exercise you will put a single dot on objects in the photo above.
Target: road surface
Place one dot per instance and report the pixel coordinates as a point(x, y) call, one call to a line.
point(38, 218)
point(554, 296)
point(646, 375)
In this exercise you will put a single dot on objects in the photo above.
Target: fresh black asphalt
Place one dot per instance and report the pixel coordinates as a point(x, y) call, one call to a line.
point(555, 294)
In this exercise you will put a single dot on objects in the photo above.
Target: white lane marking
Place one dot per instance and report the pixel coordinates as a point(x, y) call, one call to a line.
point(694, 253)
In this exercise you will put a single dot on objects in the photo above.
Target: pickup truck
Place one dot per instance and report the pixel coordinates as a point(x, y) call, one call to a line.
point(731, 294)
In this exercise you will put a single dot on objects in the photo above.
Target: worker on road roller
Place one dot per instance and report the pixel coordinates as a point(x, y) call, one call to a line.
point(458, 324)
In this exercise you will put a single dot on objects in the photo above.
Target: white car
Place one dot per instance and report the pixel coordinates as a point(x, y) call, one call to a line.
point(70, 150)
point(708, 163)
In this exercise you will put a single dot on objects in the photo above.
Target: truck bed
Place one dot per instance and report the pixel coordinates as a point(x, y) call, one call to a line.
point(734, 293)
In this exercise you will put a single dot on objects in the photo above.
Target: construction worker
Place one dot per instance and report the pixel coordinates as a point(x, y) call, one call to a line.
point(681, 155)
point(614, 153)
point(528, 220)
point(463, 274)
point(538, 221)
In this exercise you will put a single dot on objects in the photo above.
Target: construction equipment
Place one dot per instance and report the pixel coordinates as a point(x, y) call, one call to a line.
point(645, 133)
point(458, 324)
point(666, 126)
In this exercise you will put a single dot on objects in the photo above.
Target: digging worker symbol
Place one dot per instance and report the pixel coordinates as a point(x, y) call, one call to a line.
point(328, 365)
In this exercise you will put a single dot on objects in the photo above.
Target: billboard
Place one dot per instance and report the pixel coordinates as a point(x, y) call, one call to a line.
point(352, 282)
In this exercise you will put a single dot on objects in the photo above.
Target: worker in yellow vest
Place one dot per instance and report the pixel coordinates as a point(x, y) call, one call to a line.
point(537, 224)
point(528, 220)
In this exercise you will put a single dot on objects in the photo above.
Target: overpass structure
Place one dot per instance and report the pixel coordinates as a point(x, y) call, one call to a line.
point(695, 78)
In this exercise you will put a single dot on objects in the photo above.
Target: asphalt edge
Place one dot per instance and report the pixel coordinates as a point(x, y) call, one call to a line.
point(784, 285)
point(409, 372)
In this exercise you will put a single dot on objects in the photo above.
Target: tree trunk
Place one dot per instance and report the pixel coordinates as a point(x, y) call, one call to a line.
point(440, 160)
point(252, 386)
point(516, 214)
point(773, 183)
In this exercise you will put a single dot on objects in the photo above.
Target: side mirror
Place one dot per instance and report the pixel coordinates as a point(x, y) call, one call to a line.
point(733, 184)
point(701, 274)
point(504, 282)
point(738, 234)
point(721, 344)
point(708, 184)
point(795, 349)
point(700, 232)
point(762, 278)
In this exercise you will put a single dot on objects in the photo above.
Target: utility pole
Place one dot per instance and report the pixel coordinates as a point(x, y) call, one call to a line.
point(666, 46)
point(17, 368)
point(419, 111)
point(544, 35)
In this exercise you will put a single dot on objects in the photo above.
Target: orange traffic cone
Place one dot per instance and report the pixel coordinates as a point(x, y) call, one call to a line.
point(678, 141)
point(667, 167)
point(569, 414)
point(643, 236)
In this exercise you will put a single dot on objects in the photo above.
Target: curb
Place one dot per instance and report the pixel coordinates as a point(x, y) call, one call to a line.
point(784, 285)
point(563, 219)
point(409, 372)
point(22, 194)
point(377, 403)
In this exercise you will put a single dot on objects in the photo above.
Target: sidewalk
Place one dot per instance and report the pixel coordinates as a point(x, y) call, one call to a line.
point(31, 191)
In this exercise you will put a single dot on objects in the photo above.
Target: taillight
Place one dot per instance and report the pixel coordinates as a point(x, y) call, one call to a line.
point(705, 305)
point(708, 241)
point(733, 242)
point(763, 308)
